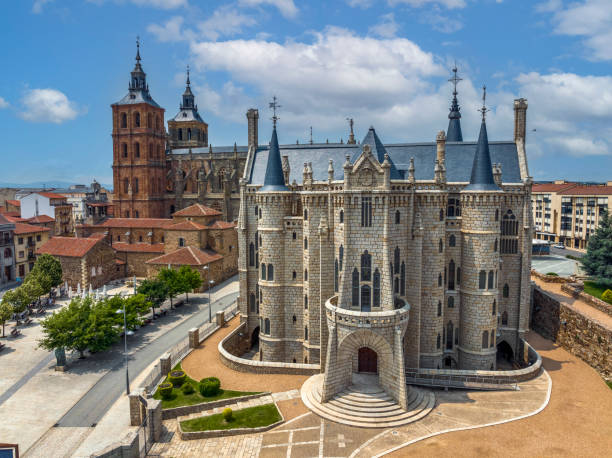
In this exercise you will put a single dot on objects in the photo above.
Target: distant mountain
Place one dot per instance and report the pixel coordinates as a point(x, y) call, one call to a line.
point(46, 184)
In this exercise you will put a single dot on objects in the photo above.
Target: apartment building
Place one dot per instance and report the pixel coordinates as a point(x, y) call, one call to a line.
point(28, 238)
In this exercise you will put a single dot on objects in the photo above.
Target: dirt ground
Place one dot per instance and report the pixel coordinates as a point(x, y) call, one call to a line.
point(576, 422)
point(205, 362)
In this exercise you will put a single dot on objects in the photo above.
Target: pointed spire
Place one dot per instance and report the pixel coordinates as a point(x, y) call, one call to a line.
point(274, 179)
point(379, 151)
point(482, 171)
point(454, 124)
point(351, 139)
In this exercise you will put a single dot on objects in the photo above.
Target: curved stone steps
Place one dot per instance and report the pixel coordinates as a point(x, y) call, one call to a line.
point(371, 409)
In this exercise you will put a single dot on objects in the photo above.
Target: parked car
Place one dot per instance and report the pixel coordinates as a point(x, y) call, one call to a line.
point(559, 246)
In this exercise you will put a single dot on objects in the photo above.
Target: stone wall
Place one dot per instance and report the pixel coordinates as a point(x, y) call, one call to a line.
point(550, 278)
point(577, 291)
point(582, 336)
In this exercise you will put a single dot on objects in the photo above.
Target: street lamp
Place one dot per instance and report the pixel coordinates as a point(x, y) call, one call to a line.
point(125, 334)
point(209, 283)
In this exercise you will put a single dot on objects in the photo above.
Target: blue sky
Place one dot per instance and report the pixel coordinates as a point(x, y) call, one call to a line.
point(383, 62)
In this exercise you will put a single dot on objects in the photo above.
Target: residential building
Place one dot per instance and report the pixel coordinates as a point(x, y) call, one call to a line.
point(38, 205)
point(7, 251)
point(28, 238)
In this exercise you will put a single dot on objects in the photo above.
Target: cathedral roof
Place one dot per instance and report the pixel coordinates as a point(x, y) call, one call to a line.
point(482, 171)
point(378, 150)
point(190, 256)
point(274, 179)
point(187, 114)
point(197, 210)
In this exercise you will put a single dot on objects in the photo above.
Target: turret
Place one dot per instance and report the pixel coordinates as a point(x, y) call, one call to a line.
point(454, 117)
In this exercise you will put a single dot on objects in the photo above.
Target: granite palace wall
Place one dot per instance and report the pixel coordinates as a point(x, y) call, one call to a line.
point(582, 336)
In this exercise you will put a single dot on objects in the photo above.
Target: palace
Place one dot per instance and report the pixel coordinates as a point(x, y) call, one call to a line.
point(380, 258)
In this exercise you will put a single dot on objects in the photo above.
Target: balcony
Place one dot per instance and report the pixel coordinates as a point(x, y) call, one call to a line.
point(356, 319)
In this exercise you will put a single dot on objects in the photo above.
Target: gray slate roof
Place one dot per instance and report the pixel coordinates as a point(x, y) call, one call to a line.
point(482, 171)
point(137, 96)
point(187, 114)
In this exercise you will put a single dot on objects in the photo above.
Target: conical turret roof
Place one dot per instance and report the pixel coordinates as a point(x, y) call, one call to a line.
point(274, 179)
point(482, 171)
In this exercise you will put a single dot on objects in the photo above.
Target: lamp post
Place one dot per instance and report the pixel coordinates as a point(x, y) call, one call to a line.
point(125, 334)
point(207, 269)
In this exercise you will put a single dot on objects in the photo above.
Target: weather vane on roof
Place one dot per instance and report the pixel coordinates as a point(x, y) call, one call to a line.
point(455, 79)
point(274, 106)
point(484, 109)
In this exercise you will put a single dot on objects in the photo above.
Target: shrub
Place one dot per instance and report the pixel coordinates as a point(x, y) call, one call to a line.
point(210, 386)
point(227, 414)
point(165, 389)
point(607, 296)
point(177, 378)
point(552, 274)
point(187, 388)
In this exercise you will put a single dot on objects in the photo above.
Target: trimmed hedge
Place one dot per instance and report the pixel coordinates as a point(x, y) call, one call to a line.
point(187, 388)
point(607, 296)
point(227, 414)
point(165, 390)
point(210, 386)
point(177, 378)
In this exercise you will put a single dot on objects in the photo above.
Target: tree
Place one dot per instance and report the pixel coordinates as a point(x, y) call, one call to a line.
point(33, 288)
point(190, 279)
point(6, 312)
point(18, 298)
point(155, 291)
point(598, 259)
point(49, 266)
point(172, 282)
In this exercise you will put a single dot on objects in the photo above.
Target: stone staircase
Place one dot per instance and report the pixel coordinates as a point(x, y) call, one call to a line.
point(366, 405)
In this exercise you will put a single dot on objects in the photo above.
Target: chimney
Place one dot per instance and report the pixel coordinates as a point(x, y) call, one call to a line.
point(441, 147)
point(253, 118)
point(520, 120)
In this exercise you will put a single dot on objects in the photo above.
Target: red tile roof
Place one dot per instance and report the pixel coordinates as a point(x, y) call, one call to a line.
point(51, 195)
point(186, 226)
point(592, 190)
point(13, 214)
point(40, 219)
point(21, 228)
point(189, 256)
point(139, 247)
point(551, 187)
point(13, 219)
point(68, 246)
point(141, 223)
point(221, 225)
point(15, 203)
point(197, 210)
point(4, 220)
point(98, 235)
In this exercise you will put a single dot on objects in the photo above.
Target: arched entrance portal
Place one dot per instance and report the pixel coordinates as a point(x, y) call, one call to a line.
point(449, 363)
point(367, 360)
point(255, 338)
point(505, 355)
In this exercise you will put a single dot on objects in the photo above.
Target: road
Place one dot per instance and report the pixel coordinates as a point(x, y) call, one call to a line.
point(566, 251)
point(98, 400)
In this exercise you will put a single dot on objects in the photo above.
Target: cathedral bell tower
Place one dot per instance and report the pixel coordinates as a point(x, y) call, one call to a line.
point(138, 150)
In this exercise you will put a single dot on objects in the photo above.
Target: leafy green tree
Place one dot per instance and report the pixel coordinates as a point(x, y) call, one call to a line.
point(57, 329)
point(6, 312)
point(33, 288)
point(155, 291)
point(102, 330)
point(48, 266)
point(18, 298)
point(190, 279)
point(598, 259)
point(172, 282)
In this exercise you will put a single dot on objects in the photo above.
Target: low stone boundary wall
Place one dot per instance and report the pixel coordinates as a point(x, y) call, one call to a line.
point(577, 291)
point(129, 447)
point(186, 410)
point(186, 436)
point(446, 376)
point(579, 334)
point(550, 278)
point(233, 343)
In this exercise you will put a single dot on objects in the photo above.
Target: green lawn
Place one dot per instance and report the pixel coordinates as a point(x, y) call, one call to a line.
point(251, 417)
point(594, 289)
point(609, 384)
point(179, 399)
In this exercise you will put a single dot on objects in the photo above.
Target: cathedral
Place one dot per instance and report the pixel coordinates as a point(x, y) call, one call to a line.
point(378, 258)
point(155, 172)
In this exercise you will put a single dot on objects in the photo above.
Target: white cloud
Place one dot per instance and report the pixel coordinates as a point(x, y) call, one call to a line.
point(360, 3)
point(225, 21)
point(386, 27)
point(47, 105)
point(450, 4)
point(38, 6)
point(3, 103)
point(172, 30)
point(286, 7)
point(159, 4)
point(590, 19)
point(441, 22)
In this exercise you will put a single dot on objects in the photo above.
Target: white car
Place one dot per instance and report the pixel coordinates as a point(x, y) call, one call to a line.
point(559, 246)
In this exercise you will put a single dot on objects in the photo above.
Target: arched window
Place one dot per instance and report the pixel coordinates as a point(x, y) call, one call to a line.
point(506, 291)
point(124, 151)
point(458, 275)
point(440, 246)
point(397, 217)
point(491, 284)
point(492, 338)
point(451, 275)
point(180, 134)
point(251, 254)
point(263, 270)
point(189, 134)
point(305, 332)
point(396, 260)
point(396, 285)
point(509, 225)
point(336, 276)
point(136, 149)
point(366, 266)
point(306, 301)
point(449, 335)
point(441, 215)
point(270, 272)
point(135, 188)
point(495, 246)
point(439, 279)
point(294, 319)
point(126, 185)
point(151, 152)
point(252, 306)
point(137, 120)
point(496, 214)
point(438, 342)
point(494, 308)
point(482, 279)
point(451, 302)
point(403, 279)
point(341, 255)
point(150, 121)
point(376, 287)
point(305, 274)
point(267, 326)
point(451, 241)
point(256, 210)
point(294, 275)
point(157, 122)
point(505, 318)
point(305, 214)
point(366, 298)
point(485, 339)
point(342, 216)
point(181, 241)
point(123, 120)
point(439, 308)
point(305, 243)
point(355, 288)
point(294, 236)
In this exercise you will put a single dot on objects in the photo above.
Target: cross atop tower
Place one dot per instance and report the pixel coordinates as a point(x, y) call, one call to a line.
point(455, 79)
point(188, 82)
point(274, 106)
point(138, 48)
point(484, 109)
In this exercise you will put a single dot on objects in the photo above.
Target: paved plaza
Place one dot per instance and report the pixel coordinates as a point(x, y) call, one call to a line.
point(560, 265)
